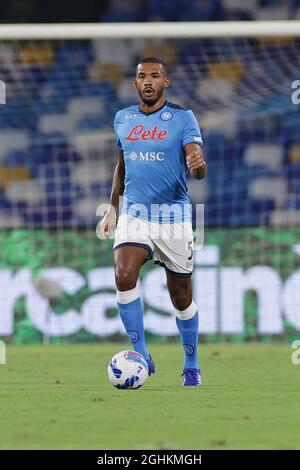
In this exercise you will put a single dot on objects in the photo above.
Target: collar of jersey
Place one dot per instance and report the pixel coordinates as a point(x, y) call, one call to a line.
point(156, 111)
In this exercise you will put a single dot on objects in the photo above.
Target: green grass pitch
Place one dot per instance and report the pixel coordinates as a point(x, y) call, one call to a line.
point(58, 397)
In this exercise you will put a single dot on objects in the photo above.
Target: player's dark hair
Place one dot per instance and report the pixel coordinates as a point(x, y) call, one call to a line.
point(154, 60)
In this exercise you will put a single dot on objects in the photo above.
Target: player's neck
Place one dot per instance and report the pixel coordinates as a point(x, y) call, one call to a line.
point(151, 109)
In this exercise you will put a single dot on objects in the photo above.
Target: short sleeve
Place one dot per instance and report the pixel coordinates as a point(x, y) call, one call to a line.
point(191, 131)
point(116, 122)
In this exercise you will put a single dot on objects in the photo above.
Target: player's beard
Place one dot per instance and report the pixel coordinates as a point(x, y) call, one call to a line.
point(149, 102)
point(153, 100)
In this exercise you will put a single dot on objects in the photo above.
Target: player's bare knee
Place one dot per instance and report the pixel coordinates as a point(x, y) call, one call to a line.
point(181, 300)
point(125, 278)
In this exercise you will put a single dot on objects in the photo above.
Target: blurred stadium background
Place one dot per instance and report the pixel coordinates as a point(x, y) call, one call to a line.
point(58, 152)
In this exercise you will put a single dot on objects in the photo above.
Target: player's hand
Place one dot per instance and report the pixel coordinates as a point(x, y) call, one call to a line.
point(108, 224)
point(195, 160)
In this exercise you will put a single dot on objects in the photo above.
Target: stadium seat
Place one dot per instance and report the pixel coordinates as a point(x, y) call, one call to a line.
point(19, 158)
point(167, 51)
point(218, 90)
point(272, 13)
point(29, 191)
point(50, 123)
point(91, 123)
point(269, 155)
point(106, 71)
point(86, 208)
point(238, 14)
point(274, 188)
point(11, 139)
point(235, 4)
point(285, 218)
point(10, 221)
point(118, 52)
point(202, 11)
point(9, 174)
point(294, 153)
point(84, 106)
point(77, 109)
point(213, 121)
point(85, 175)
point(226, 70)
point(40, 54)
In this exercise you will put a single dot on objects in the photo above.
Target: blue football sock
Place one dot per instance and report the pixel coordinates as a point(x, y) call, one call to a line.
point(188, 329)
point(132, 316)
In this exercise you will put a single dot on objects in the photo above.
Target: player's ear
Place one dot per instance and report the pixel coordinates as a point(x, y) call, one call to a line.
point(134, 82)
point(167, 82)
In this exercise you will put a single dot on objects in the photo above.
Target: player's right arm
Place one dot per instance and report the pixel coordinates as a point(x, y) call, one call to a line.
point(108, 222)
point(118, 181)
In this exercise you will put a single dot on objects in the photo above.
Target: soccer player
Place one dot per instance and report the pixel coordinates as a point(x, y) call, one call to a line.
point(159, 144)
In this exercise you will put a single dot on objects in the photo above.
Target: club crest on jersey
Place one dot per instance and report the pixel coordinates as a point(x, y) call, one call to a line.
point(140, 133)
point(166, 116)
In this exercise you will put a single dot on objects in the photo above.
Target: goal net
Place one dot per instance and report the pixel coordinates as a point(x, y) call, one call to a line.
point(60, 89)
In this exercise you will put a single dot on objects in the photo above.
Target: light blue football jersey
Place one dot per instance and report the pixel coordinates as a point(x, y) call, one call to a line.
point(155, 164)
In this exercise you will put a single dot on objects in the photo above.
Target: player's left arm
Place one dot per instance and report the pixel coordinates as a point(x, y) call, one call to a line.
point(195, 160)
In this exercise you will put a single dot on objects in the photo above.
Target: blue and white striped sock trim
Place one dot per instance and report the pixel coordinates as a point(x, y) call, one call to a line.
point(125, 297)
point(188, 313)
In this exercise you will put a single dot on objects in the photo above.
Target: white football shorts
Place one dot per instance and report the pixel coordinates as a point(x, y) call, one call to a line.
point(171, 245)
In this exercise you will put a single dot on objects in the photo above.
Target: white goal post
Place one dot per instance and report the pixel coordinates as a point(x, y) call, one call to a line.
point(217, 29)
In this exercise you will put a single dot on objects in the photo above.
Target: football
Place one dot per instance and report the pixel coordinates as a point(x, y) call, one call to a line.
point(127, 370)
